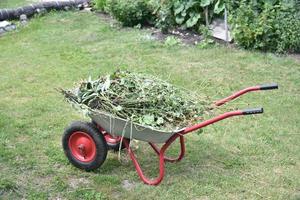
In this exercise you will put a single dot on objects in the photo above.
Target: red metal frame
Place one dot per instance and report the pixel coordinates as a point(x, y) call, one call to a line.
point(182, 150)
point(237, 94)
point(110, 139)
point(161, 151)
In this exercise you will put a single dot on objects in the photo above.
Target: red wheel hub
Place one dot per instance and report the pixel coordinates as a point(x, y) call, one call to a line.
point(82, 146)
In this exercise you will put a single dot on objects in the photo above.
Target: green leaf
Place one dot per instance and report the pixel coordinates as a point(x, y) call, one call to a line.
point(118, 108)
point(205, 3)
point(160, 120)
point(148, 119)
point(177, 114)
point(192, 21)
point(106, 84)
point(172, 41)
point(179, 19)
point(190, 4)
point(178, 9)
point(219, 7)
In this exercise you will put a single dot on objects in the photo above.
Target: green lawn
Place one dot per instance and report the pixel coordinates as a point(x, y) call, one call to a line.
point(251, 157)
point(14, 3)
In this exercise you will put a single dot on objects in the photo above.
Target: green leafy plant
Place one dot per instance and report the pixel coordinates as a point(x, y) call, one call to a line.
point(172, 41)
point(288, 27)
point(130, 12)
point(219, 7)
point(99, 4)
point(163, 14)
point(140, 98)
point(268, 26)
point(188, 14)
point(206, 34)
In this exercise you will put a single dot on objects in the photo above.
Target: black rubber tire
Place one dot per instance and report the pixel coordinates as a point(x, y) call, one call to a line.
point(110, 146)
point(101, 146)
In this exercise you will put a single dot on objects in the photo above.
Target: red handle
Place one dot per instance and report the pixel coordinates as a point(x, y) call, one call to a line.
point(249, 111)
point(237, 94)
point(270, 86)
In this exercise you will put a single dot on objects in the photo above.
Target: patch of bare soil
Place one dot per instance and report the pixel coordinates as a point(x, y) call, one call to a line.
point(296, 56)
point(127, 185)
point(105, 17)
point(77, 182)
point(186, 37)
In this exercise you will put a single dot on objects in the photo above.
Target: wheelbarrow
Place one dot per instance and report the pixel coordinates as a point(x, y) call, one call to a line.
point(86, 143)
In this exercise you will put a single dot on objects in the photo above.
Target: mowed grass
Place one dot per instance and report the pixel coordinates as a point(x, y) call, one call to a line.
point(251, 157)
point(14, 3)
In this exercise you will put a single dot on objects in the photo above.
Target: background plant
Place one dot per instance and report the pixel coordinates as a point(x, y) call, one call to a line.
point(206, 34)
point(172, 41)
point(271, 25)
point(99, 4)
point(187, 14)
point(266, 25)
point(130, 12)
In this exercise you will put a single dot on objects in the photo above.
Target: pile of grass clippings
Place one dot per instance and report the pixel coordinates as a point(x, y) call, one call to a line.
point(140, 98)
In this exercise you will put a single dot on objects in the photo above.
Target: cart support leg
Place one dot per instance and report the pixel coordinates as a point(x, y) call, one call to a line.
point(181, 155)
point(146, 180)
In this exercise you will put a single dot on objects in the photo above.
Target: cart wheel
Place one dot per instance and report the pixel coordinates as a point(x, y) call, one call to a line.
point(113, 143)
point(84, 146)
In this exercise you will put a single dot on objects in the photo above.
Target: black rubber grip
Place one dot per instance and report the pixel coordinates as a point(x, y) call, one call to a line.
point(252, 111)
point(270, 86)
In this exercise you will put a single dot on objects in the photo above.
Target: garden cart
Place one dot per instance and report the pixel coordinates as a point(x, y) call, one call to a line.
point(86, 144)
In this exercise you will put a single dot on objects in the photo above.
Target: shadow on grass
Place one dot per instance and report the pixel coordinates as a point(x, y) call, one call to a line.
point(211, 158)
